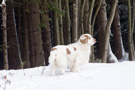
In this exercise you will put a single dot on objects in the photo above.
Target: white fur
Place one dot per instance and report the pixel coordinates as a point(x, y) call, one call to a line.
point(77, 54)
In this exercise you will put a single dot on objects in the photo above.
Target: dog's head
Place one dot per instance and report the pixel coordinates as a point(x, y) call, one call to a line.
point(87, 39)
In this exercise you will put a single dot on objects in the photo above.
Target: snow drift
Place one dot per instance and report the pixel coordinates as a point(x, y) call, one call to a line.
point(93, 76)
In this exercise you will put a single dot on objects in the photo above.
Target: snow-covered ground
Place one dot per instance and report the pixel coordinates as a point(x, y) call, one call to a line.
point(97, 76)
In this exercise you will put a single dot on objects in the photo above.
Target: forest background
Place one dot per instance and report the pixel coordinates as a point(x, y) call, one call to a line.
point(30, 28)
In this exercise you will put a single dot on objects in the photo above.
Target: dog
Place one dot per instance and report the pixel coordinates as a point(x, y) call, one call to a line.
point(72, 55)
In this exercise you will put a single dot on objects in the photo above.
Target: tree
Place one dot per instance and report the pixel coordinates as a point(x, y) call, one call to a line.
point(5, 49)
point(13, 54)
point(56, 25)
point(90, 16)
point(130, 34)
point(34, 32)
point(107, 31)
point(81, 24)
point(25, 40)
point(117, 43)
point(86, 15)
point(101, 24)
point(61, 24)
point(46, 32)
point(133, 32)
point(68, 31)
point(91, 27)
point(75, 21)
point(95, 15)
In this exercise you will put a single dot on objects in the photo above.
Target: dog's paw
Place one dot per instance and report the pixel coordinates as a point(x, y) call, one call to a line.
point(76, 69)
point(62, 71)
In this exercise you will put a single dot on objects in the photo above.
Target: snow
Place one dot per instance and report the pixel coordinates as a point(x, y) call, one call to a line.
point(3, 2)
point(112, 56)
point(125, 57)
point(93, 76)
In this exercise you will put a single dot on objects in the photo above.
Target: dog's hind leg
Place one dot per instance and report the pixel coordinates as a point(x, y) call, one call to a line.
point(76, 67)
point(52, 72)
point(62, 70)
point(52, 69)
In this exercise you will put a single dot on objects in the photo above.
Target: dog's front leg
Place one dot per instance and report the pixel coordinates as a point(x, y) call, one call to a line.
point(76, 67)
point(62, 71)
point(52, 72)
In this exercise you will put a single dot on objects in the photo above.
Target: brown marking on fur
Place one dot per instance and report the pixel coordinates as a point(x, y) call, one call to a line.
point(68, 52)
point(74, 48)
point(84, 41)
point(54, 49)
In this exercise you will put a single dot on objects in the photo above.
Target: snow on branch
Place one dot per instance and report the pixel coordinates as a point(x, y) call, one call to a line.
point(3, 3)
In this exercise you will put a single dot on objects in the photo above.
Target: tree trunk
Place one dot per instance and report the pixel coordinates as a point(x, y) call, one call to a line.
point(107, 31)
point(130, 36)
point(133, 25)
point(19, 22)
point(68, 31)
point(56, 26)
point(5, 49)
point(17, 38)
point(35, 39)
point(92, 29)
point(75, 21)
point(90, 16)
point(101, 24)
point(46, 32)
point(96, 13)
point(117, 35)
point(86, 15)
point(13, 54)
point(25, 48)
point(61, 25)
point(133, 22)
point(81, 26)
point(80, 5)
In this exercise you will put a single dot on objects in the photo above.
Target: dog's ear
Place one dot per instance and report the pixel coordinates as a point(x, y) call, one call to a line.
point(84, 39)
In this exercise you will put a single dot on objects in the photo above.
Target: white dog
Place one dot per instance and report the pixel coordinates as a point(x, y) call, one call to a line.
point(72, 55)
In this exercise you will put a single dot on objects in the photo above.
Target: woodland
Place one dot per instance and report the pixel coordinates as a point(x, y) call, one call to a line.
point(30, 28)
